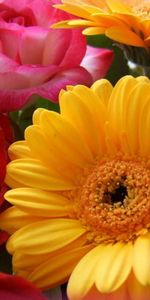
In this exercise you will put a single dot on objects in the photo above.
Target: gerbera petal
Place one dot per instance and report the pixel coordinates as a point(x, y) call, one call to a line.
point(126, 22)
point(94, 30)
point(103, 89)
point(45, 236)
point(37, 115)
point(118, 104)
point(118, 99)
point(144, 126)
point(106, 20)
point(141, 267)
point(124, 35)
point(13, 219)
point(126, 110)
point(19, 149)
point(85, 116)
point(134, 112)
point(46, 152)
point(67, 140)
point(80, 23)
point(39, 202)
point(74, 9)
point(30, 172)
point(85, 269)
point(117, 6)
point(58, 267)
point(113, 267)
point(30, 260)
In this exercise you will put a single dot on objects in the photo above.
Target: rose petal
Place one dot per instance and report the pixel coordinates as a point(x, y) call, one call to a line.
point(16, 288)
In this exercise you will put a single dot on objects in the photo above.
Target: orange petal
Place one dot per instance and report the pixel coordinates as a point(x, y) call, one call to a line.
point(125, 36)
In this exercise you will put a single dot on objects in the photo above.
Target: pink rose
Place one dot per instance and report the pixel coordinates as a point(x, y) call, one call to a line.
point(38, 60)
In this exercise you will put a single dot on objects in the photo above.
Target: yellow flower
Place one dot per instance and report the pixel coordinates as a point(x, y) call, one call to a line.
point(81, 193)
point(124, 21)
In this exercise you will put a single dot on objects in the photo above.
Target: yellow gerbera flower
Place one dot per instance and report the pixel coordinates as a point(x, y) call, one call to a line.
point(81, 193)
point(124, 21)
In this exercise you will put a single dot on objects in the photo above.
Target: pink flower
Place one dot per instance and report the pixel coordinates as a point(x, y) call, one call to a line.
point(6, 138)
point(16, 288)
point(38, 60)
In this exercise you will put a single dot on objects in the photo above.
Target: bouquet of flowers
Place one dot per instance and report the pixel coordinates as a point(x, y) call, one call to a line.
point(74, 150)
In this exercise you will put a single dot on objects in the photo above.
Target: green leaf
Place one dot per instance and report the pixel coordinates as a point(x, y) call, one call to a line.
point(5, 261)
point(44, 103)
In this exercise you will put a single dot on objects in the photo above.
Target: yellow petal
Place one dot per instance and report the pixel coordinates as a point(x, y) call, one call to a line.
point(19, 149)
point(141, 259)
point(144, 124)
point(83, 276)
point(45, 236)
point(118, 6)
point(129, 109)
point(66, 139)
point(37, 115)
point(137, 102)
point(13, 219)
point(118, 105)
point(39, 203)
point(62, 24)
point(57, 269)
point(30, 173)
point(24, 261)
point(103, 89)
point(118, 99)
point(87, 116)
point(74, 9)
point(113, 267)
point(94, 30)
point(80, 23)
point(50, 155)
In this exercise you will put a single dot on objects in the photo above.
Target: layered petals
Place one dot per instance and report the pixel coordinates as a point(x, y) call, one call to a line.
point(81, 195)
point(126, 22)
point(27, 74)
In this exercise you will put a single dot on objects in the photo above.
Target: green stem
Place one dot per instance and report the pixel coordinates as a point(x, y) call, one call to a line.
point(146, 71)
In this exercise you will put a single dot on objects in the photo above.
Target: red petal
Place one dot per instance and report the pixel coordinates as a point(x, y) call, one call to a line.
point(17, 288)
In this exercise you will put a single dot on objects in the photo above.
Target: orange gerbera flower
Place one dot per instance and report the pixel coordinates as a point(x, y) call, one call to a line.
point(124, 21)
point(81, 193)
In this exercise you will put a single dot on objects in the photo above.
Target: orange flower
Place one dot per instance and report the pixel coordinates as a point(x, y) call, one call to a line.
point(124, 21)
point(81, 193)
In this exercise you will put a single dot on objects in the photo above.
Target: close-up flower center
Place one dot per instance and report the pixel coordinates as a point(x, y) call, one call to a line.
point(114, 202)
point(142, 10)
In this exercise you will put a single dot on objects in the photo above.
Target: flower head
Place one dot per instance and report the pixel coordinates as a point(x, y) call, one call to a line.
point(124, 21)
point(81, 193)
point(26, 73)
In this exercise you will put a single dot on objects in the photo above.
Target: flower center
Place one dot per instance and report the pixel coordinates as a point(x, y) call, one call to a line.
point(114, 202)
point(143, 10)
